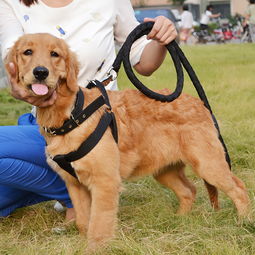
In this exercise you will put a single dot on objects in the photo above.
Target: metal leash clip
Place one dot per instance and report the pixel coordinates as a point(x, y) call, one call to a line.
point(111, 76)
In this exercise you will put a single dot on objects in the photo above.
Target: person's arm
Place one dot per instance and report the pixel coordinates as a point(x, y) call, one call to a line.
point(146, 56)
point(10, 31)
point(215, 15)
point(211, 16)
point(162, 33)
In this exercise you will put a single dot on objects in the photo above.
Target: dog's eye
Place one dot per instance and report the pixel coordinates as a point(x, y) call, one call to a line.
point(28, 52)
point(54, 54)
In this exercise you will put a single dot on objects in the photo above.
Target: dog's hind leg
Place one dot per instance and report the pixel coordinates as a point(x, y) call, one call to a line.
point(221, 177)
point(174, 178)
point(206, 155)
point(81, 200)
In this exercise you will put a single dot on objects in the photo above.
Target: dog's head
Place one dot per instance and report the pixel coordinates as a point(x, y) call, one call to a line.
point(43, 62)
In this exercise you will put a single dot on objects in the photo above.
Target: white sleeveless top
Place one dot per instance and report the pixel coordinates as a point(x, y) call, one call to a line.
point(92, 28)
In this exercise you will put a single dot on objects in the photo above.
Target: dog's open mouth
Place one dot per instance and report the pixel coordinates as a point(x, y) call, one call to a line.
point(39, 89)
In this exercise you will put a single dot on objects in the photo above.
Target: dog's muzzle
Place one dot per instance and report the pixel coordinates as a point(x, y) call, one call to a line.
point(39, 88)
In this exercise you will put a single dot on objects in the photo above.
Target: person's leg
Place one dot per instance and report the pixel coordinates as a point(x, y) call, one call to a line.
point(27, 119)
point(203, 27)
point(12, 199)
point(23, 168)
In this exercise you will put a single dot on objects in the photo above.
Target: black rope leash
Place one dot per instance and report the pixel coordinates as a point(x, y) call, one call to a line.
point(179, 60)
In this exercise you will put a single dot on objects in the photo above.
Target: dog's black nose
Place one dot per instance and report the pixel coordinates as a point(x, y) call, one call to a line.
point(40, 73)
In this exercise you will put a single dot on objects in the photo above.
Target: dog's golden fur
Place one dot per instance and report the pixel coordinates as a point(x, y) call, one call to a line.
point(155, 138)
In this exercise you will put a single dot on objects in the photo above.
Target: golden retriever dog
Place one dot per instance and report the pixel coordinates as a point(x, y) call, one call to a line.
point(155, 138)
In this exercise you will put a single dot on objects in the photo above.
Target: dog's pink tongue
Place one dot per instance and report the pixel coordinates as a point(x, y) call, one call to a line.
point(40, 89)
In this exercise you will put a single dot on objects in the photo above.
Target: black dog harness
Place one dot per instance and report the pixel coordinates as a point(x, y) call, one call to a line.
point(78, 116)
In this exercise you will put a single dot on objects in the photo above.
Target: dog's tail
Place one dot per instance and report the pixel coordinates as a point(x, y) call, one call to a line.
point(213, 195)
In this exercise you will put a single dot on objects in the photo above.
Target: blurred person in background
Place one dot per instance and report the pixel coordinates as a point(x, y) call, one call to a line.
point(250, 19)
point(207, 15)
point(186, 24)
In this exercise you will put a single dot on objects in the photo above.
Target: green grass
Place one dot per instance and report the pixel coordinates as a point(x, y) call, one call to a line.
point(148, 224)
point(10, 108)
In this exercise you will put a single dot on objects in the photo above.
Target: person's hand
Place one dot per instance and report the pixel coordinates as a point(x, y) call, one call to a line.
point(163, 30)
point(22, 94)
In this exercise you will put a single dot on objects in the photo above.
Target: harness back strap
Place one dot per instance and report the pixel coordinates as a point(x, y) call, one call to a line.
point(78, 106)
point(102, 89)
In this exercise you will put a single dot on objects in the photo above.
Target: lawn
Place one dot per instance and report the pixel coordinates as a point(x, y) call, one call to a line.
point(148, 224)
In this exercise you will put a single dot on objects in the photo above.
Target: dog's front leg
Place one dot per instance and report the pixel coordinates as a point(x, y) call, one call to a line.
point(81, 200)
point(104, 207)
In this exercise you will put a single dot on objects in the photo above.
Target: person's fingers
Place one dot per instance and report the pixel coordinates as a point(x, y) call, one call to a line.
point(16, 91)
point(169, 36)
point(12, 69)
point(162, 31)
point(18, 94)
point(166, 33)
point(148, 19)
point(50, 101)
point(43, 102)
point(155, 29)
point(23, 95)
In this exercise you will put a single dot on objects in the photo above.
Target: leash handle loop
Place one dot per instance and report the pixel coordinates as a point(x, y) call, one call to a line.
point(123, 56)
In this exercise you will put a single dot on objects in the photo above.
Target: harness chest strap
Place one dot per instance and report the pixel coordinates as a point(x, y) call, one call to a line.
point(107, 120)
point(64, 160)
point(77, 115)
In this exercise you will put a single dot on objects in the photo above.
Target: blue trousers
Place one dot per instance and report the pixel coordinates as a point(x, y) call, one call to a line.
point(25, 177)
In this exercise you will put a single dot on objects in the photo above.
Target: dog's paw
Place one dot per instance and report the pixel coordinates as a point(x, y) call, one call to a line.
point(96, 247)
point(99, 243)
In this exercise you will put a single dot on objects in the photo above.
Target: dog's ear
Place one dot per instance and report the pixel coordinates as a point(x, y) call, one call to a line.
point(72, 70)
point(12, 70)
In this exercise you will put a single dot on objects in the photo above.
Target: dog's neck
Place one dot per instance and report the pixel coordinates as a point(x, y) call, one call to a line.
point(55, 115)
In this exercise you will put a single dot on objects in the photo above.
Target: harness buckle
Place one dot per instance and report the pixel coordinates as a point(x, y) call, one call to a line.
point(111, 76)
point(108, 109)
point(77, 122)
point(49, 131)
